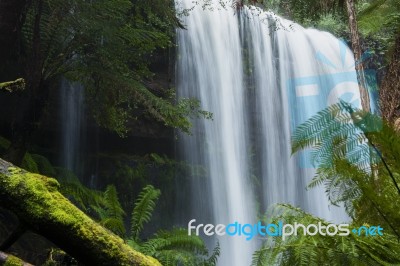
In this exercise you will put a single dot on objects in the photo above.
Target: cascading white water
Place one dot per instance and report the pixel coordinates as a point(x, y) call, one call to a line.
point(72, 115)
point(295, 73)
point(260, 76)
point(210, 69)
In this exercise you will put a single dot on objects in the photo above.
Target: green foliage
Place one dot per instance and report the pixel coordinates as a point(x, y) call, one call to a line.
point(356, 155)
point(29, 164)
point(34, 163)
point(173, 247)
point(338, 131)
point(318, 249)
point(4, 144)
point(380, 20)
point(107, 46)
point(305, 11)
point(85, 198)
point(332, 23)
point(44, 166)
point(144, 207)
point(380, 15)
point(112, 216)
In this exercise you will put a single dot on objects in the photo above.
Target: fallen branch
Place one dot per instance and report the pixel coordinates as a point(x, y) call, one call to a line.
point(10, 86)
point(39, 205)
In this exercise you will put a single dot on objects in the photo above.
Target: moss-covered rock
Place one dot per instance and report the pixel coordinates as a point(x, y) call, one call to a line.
point(13, 261)
point(35, 199)
point(10, 260)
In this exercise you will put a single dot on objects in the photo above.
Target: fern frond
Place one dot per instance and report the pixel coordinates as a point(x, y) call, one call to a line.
point(318, 249)
point(114, 212)
point(81, 195)
point(179, 239)
point(213, 259)
point(142, 212)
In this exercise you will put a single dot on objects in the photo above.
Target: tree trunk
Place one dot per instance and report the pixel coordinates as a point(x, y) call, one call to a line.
point(355, 43)
point(389, 92)
point(39, 205)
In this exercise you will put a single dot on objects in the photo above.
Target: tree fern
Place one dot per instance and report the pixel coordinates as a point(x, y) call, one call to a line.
point(355, 154)
point(356, 162)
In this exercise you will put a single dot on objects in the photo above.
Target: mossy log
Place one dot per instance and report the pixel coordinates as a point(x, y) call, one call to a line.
point(18, 84)
point(39, 205)
point(10, 260)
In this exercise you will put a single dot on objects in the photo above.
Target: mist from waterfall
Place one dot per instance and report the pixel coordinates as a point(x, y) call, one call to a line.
point(260, 76)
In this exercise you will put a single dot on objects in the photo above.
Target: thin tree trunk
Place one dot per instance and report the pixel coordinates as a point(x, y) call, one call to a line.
point(355, 43)
point(389, 93)
point(39, 205)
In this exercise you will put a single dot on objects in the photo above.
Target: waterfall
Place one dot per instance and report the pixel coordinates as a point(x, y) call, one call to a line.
point(261, 76)
point(72, 119)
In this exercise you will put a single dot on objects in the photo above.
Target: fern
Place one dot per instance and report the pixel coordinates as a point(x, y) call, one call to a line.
point(84, 197)
point(351, 147)
point(356, 157)
point(317, 250)
point(142, 212)
point(174, 247)
point(212, 260)
point(113, 215)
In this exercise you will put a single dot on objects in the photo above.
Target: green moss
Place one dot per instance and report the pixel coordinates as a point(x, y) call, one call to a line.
point(29, 164)
point(41, 201)
point(13, 261)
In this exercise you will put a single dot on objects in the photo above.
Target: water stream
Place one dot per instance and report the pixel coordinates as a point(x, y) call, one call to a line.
point(261, 76)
